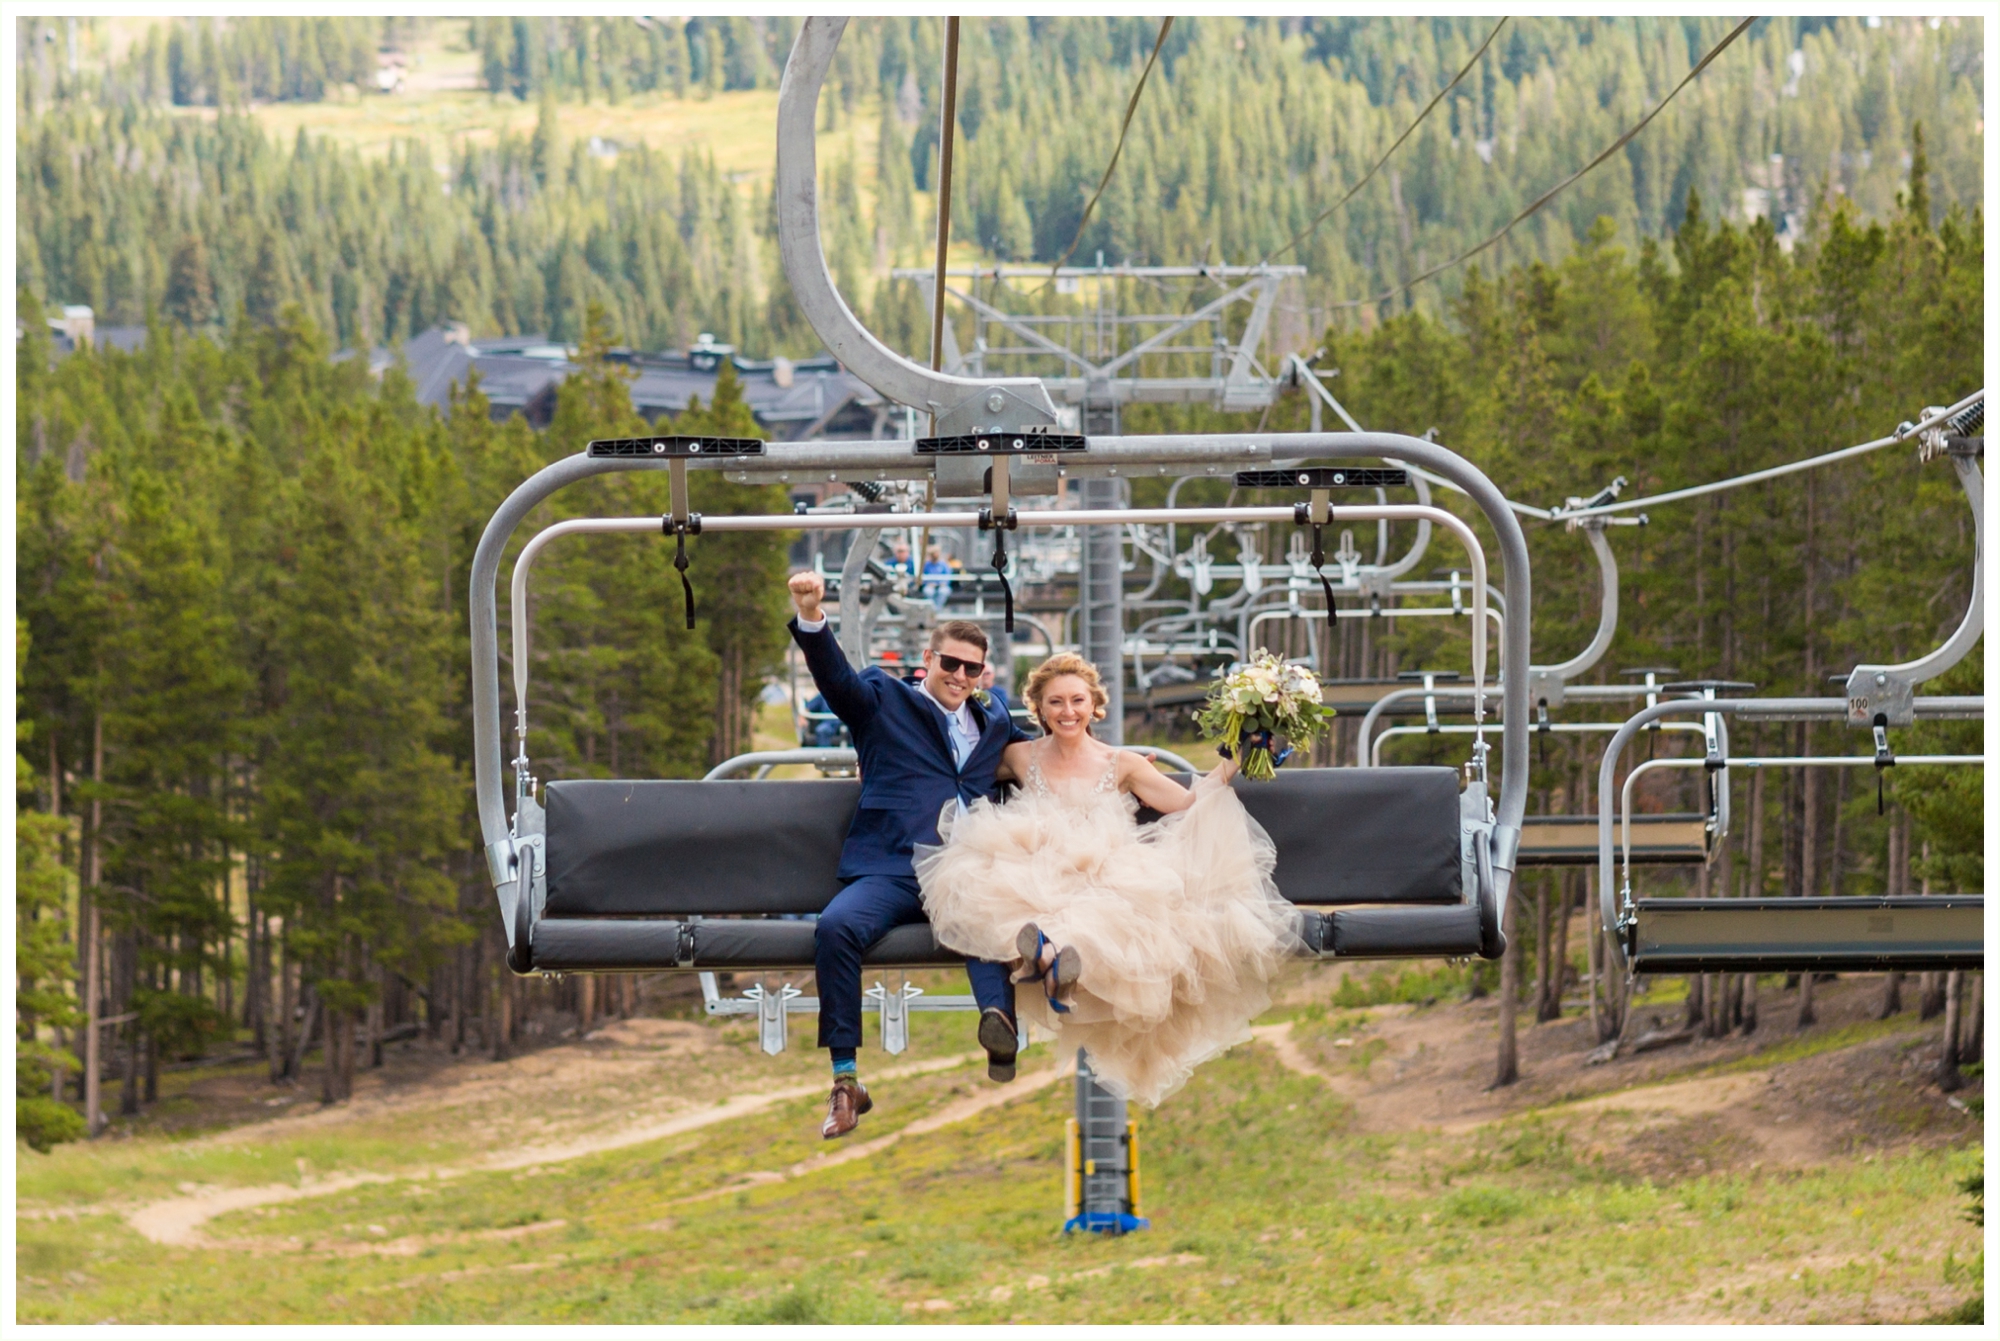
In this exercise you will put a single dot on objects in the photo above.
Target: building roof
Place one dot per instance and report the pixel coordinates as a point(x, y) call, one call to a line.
point(794, 399)
point(520, 374)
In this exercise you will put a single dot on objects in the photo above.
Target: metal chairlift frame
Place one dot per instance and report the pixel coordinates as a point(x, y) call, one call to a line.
point(964, 406)
point(1548, 686)
point(1747, 935)
point(1759, 935)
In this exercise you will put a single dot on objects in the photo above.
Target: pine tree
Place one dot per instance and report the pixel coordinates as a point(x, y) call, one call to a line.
point(190, 295)
point(44, 959)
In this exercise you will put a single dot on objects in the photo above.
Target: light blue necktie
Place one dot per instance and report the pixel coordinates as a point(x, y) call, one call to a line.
point(961, 744)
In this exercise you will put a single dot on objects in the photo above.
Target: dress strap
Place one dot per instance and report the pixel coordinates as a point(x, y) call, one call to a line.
point(1109, 782)
point(1036, 782)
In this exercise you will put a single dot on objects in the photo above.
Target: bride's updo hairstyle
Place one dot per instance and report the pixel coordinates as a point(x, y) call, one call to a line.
point(1064, 663)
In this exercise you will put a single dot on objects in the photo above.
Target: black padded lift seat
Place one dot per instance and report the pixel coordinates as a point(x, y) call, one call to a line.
point(1820, 935)
point(654, 849)
point(695, 875)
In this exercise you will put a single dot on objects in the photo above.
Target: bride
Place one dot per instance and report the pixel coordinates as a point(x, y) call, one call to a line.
point(1154, 945)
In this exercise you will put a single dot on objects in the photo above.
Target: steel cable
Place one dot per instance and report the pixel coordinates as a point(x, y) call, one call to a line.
point(1562, 185)
point(1131, 106)
point(1409, 130)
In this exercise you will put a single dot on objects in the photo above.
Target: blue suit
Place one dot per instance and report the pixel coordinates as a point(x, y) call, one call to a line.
point(909, 774)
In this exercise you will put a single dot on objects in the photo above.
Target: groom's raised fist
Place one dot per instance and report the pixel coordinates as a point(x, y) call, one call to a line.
point(808, 590)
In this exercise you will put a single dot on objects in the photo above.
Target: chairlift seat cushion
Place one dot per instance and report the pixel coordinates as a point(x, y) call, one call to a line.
point(657, 848)
point(667, 848)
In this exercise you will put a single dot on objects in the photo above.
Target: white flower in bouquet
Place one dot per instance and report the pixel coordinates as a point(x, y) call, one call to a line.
point(1258, 700)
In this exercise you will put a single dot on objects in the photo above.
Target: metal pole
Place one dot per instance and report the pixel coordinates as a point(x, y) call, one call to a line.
point(1103, 583)
point(1105, 1201)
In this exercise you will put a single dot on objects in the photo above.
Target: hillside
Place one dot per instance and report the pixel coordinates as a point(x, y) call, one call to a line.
point(1252, 130)
point(1346, 1166)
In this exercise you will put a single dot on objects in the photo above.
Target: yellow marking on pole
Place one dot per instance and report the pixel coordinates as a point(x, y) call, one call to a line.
point(1132, 1165)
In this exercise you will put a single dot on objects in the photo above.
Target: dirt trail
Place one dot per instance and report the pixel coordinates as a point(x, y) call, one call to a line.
point(970, 1106)
point(177, 1221)
point(1685, 1098)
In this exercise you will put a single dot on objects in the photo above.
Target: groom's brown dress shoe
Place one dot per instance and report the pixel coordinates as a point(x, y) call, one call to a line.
point(997, 1034)
point(844, 1108)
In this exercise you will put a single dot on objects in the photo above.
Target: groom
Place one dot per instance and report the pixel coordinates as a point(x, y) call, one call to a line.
point(921, 748)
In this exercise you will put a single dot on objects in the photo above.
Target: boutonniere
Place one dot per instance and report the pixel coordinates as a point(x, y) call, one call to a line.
point(982, 698)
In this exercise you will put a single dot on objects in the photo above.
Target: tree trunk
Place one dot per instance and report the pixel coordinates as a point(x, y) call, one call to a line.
point(1931, 1003)
point(461, 996)
point(93, 952)
point(1809, 863)
point(350, 1024)
point(501, 1018)
point(1972, 1047)
point(296, 1063)
point(1948, 1077)
point(1544, 945)
point(1753, 885)
point(374, 1018)
point(1507, 1068)
point(128, 1098)
point(337, 1025)
point(279, 1045)
point(1567, 883)
point(1695, 1007)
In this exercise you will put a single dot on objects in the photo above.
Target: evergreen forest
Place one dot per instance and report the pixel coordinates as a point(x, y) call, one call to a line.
point(243, 762)
point(1252, 129)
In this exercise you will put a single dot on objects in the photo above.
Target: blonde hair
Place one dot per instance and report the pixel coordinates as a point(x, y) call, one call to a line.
point(1064, 663)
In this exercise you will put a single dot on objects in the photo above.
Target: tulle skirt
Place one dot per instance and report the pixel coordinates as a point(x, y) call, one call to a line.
point(1178, 923)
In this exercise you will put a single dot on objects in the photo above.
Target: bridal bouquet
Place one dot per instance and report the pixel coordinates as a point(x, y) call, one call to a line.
point(1264, 697)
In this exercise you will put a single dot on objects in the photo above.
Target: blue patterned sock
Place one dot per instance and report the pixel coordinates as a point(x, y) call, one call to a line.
point(843, 1063)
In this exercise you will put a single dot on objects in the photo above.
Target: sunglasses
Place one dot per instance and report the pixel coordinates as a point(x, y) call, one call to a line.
point(951, 665)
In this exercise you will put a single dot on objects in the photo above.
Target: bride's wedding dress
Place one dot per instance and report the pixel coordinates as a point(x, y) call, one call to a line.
point(1178, 924)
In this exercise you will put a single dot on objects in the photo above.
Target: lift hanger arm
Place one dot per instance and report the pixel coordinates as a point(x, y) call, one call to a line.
point(804, 257)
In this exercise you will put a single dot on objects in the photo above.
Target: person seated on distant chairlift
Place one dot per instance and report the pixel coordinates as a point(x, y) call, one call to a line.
point(937, 578)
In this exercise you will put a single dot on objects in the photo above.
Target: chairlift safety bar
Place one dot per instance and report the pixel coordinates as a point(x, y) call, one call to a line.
point(971, 520)
point(1759, 761)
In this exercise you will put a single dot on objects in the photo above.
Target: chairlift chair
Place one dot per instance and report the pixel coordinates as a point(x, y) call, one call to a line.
point(1811, 934)
point(684, 875)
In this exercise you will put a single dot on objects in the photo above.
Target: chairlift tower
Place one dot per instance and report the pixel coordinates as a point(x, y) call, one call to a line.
point(1101, 1168)
point(1184, 347)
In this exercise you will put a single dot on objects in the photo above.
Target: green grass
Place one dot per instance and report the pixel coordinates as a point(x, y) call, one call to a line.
point(1814, 1043)
point(1266, 1205)
point(1416, 984)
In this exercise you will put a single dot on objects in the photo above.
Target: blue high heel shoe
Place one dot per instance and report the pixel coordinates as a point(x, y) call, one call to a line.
point(1062, 972)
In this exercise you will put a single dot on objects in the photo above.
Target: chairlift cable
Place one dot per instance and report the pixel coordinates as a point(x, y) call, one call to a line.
point(1562, 185)
point(948, 121)
point(1790, 468)
point(1408, 131)
point(1131, 106)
